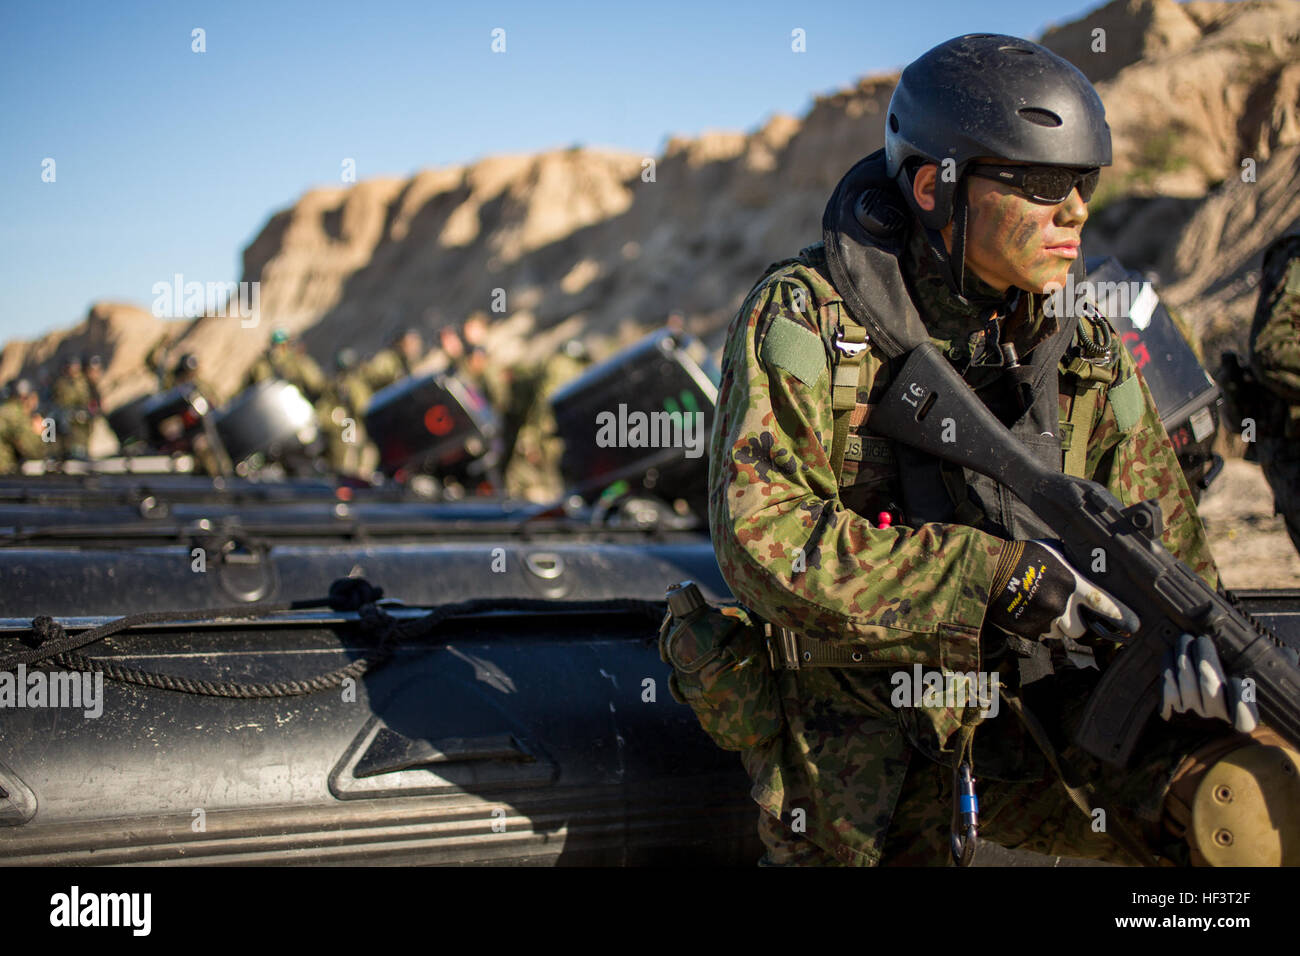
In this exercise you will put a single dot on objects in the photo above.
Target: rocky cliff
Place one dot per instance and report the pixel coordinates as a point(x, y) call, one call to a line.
point(1203, 99)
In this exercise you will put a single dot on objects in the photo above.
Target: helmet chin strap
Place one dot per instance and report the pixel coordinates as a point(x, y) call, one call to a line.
point(953, 266)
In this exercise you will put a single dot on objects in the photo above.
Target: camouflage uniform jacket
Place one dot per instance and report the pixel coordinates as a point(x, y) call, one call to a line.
point(900, 595)
point(17, 440)
point(533, 445)
point(347, 390)
point(298, 370)
point(1275, 335)
point(385, 368)
point(73, 395)
point(1275, 360)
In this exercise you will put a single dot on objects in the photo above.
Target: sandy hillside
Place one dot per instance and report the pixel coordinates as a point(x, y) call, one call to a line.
point(1249, 542)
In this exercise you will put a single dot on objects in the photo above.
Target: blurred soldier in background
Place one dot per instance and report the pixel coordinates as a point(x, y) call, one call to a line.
point(1275, 362)
point(186, 372)
point(20, 430)
point(93, 369)
point(284, 362)
point(490, 379)
point(340, 411)
point(505, 389)
point(71, 396)
point(475, 331)
point(156, 361)
point(469, 361)
point(533, 464)
point(395, 362)
point(453, 347)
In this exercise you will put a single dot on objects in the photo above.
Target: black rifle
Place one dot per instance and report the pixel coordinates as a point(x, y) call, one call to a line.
point(928, 402)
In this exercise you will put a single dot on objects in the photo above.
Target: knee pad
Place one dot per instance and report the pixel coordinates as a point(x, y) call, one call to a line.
point(1237, 802)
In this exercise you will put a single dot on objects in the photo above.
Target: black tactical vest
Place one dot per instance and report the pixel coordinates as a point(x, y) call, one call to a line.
point(865, 231)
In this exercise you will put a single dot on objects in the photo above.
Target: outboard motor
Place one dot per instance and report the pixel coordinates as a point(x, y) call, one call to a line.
point(436, 425)
point(1186, 397)
point(641, 419)
point(271, 421)
point(173, 418)
point(130, 425)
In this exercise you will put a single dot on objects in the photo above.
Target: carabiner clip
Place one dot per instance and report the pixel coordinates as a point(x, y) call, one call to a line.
point(965, 817)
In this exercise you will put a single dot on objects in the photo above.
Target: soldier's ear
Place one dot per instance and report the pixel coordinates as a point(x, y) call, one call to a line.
point(923, 185)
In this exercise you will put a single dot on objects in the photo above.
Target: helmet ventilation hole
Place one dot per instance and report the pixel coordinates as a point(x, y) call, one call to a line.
point(1015, 49)
point(893, 122)
point(1039, 116)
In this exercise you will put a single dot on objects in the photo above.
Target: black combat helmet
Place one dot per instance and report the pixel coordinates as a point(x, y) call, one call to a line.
point(988, 95)
point(998, 96)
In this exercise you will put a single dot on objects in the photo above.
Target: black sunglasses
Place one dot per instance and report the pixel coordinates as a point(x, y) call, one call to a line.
point(1044, 184)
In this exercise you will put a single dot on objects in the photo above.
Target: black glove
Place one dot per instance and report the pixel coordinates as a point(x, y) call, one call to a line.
point(1036, 594)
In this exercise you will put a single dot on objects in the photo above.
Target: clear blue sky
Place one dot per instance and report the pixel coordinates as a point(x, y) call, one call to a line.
point(171, 161)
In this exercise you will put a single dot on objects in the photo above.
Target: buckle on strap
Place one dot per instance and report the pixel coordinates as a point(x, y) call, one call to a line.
point(850, 343)
point(850, 340)
point(782, 646)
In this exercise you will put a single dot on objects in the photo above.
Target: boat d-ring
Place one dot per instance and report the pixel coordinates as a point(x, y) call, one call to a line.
point(245, 570)
point(547, 565)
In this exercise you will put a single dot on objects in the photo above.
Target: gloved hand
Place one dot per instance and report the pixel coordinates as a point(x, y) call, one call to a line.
point(1194, 683)
point(1036, 594)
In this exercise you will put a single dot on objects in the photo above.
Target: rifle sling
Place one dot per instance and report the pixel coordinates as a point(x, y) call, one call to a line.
point(1083, 795)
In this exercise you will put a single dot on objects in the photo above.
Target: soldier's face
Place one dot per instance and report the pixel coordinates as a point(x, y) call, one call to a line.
point(1010, 239)
point(1013, 241)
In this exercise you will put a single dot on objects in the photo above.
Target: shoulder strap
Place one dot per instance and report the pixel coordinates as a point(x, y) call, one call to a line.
point(848, 342)
point(1093, 363)
point(1078, 426)
point(847, 371)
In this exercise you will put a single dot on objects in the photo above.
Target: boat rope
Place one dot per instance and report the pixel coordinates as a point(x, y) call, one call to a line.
point(49, 641)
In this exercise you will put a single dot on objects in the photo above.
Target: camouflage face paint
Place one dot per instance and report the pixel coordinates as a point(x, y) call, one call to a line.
point(1013, 241)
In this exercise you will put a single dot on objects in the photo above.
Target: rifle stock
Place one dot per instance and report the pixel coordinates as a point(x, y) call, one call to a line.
point(931, 408)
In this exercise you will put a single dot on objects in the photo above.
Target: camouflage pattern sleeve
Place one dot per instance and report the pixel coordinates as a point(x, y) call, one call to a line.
point(259, 371)
point(310, 375)
point(1130, 453)
point(788, 547)
point(1275, 346)
point(383, 370)
point(17, 433)
point(26, 440)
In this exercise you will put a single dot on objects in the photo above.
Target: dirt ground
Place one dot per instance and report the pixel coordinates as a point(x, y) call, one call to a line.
point(1249, 542)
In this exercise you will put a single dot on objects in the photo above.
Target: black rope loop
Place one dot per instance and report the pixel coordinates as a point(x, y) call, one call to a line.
point(44, 628)
point(349, 594)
